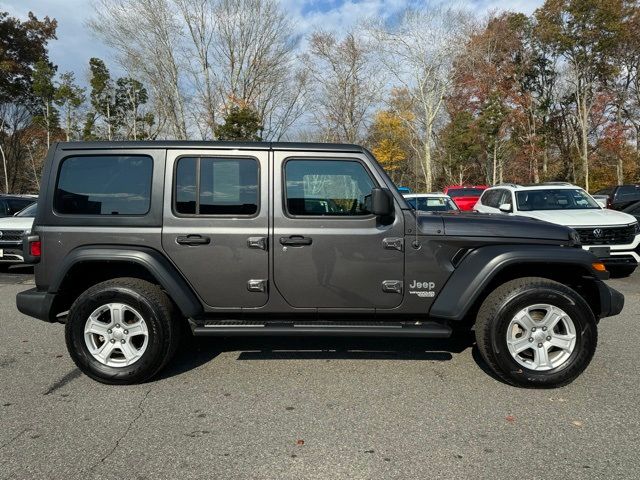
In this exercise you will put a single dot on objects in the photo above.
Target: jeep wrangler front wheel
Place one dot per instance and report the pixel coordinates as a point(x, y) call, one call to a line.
point(534, 332)
point(122, 331)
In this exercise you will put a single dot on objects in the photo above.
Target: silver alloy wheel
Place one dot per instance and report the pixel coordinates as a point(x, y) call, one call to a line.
point(541, 337)
point(116, 335)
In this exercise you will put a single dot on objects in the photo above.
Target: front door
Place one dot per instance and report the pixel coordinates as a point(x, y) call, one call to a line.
point(329, 251)
point(216, 224)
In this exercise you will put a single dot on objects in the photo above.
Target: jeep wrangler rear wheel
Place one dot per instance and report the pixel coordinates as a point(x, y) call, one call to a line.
point(534, 332)
point(122, 331)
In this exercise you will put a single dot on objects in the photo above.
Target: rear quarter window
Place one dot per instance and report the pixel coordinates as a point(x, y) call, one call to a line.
point(104, 185)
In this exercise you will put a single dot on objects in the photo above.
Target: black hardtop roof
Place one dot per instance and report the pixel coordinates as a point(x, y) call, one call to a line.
point(186, 144)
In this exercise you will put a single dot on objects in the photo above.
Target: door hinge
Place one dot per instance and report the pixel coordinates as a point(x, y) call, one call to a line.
point(257, 285)
point(393, 243)
point(392, 286)
point(257, 242)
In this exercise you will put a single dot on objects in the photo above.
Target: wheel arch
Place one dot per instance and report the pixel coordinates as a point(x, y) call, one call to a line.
point(488, 267)
point(87, 266)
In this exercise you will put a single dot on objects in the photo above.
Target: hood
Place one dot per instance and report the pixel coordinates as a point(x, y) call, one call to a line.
point(16, 223)
point(461, 224)
point(582, 218)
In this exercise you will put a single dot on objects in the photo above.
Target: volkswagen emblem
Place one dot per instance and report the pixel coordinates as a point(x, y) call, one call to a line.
point(598, 233)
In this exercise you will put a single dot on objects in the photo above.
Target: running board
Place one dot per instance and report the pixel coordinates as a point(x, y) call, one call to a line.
point(233, 328)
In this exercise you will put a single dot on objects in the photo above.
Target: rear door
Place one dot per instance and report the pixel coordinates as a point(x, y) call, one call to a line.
point(216, 221)
point(329, 251)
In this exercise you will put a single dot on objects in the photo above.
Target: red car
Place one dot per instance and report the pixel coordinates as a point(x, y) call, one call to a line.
point(465, 196)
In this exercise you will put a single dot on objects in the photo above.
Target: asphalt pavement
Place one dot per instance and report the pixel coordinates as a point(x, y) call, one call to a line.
point(314, 409)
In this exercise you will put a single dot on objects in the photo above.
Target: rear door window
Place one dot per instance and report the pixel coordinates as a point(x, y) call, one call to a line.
point(216, 186)
point(104, 185)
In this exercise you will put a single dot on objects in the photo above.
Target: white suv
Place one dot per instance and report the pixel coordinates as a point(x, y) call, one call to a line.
point(611, 235)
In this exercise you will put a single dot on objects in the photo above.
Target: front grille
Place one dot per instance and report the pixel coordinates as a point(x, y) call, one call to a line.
point(11, 235)
point(607, 235)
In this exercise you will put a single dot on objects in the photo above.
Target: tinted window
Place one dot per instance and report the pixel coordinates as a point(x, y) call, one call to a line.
point(3, 208)
point(604, 191)
point(223, 186)
point(327, 187)
point(558, 199)
point(104, 185)
point(464, 192)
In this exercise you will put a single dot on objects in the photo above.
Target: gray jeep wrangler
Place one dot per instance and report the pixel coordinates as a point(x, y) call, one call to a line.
point(135, 241)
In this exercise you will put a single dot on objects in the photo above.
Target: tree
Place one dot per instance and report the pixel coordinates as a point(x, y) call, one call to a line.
point(147, 37)
point(241, 123)
point(391, 139)
point(103, 98)
point(69, 97)
point(345, 84)
point(252, 54)
point(462, 149)
point(418, 52)
point(389, 135)
point(130, 95)
point(585, 33)
point(44, 93)
point(22, 45)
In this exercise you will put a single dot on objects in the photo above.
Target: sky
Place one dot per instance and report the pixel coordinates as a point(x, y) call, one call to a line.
point(75, 43)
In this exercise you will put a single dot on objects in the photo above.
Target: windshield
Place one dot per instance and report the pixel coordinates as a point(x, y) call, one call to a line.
point(30, 211)
point(465, 192)
point(555, 199)
point(432, 204)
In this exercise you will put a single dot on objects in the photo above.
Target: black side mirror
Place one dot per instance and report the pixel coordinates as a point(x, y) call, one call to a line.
point(379, 202)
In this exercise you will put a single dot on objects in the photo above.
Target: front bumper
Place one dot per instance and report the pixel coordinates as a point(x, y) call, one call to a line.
point(11, 253)
point(619, 252)
point(611, 300)
point(36, 303)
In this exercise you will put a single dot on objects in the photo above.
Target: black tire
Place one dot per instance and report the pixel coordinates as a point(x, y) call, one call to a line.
point(500, 307)
point(164, 329)
point(623, 271)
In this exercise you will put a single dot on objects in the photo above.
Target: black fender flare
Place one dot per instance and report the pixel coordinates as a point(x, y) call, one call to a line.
point(153, 261)
point(479, 268)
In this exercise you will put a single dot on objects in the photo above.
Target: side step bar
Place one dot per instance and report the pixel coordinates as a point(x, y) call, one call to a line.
point(348, 329)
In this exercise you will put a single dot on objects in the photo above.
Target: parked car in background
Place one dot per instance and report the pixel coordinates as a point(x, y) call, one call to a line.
point(431, 202)
point(620, 197)
point(12, 229)
point(465, 196)
point(612, 236)
point(12, 204)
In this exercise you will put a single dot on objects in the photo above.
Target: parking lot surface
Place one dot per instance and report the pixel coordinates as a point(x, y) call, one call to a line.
point(314, 408)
